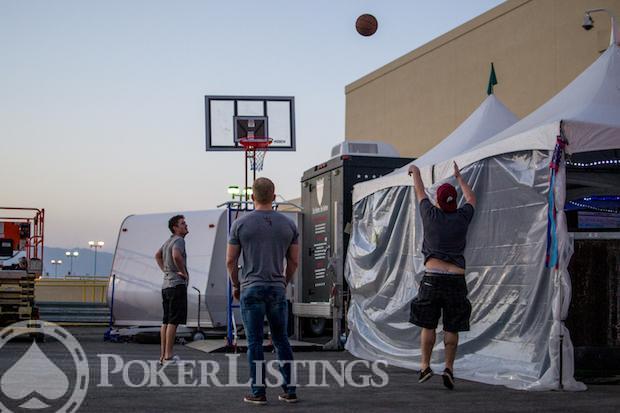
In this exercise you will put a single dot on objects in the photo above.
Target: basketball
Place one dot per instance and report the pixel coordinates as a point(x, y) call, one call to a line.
point(366, 25)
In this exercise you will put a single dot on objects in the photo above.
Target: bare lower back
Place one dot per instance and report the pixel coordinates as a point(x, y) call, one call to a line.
point(443, 266)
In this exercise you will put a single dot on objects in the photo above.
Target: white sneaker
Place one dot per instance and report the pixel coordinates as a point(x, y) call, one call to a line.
point(172, 360)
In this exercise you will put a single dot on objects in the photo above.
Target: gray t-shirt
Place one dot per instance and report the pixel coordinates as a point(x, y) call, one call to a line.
point(445, 233)
point(171, 278)
point(264, 237)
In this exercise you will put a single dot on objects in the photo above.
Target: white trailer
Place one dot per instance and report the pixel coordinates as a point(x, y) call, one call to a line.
point(136, 280)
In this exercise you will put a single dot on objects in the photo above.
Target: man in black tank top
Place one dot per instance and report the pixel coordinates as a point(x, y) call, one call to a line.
point(443, 288)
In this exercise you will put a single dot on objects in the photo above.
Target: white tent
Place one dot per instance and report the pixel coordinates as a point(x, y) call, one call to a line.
point(519, 304)
point(490, 118)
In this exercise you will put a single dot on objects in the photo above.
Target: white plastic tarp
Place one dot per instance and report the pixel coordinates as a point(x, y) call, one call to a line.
point(511, 290)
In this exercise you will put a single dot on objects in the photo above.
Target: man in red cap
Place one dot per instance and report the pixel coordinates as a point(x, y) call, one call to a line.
point(443, 287)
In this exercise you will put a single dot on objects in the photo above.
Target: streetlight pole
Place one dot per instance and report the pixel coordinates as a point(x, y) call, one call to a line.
point(71, 255)
point(56, 263)
point(96, 245)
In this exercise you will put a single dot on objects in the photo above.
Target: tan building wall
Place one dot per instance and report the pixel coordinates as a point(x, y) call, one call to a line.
point(537, 47)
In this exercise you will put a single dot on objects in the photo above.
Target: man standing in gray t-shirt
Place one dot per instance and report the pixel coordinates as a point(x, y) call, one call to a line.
point(172, 260)
point(266, 239)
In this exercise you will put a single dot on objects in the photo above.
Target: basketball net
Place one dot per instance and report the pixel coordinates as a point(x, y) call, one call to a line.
point(255, 150)
point(258, 159)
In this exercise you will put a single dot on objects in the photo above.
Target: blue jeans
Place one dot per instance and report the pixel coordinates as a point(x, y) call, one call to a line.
point(256, 303)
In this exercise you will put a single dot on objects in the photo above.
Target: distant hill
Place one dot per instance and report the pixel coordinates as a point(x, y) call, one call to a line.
point(83, 264)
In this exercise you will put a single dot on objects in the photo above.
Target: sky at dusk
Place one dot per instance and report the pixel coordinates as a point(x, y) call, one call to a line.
point(102, 102)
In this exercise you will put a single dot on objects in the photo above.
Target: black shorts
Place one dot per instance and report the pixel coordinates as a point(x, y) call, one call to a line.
point(174, 300)
point(447, 293)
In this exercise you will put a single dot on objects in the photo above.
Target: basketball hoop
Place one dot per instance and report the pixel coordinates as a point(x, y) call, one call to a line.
point(255, 150)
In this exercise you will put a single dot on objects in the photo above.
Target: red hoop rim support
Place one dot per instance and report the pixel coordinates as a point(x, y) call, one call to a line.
point(255, 142)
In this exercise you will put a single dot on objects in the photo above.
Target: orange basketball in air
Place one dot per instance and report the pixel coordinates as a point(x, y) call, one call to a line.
point(366, 25)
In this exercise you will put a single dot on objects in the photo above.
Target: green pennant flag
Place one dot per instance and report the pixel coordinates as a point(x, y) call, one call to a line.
point(492, 81)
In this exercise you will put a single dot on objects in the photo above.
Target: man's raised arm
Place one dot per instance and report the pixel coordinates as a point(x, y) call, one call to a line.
point(470, 196)
point(418, 185)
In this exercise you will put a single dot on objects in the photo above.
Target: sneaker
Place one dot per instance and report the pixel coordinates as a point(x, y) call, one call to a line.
point(171, 360)
point(425, 374)
point(448, 379)
point(289, 398)
point(249, 398)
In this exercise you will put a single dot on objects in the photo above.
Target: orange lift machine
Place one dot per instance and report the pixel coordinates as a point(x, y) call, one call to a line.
point(21, 262)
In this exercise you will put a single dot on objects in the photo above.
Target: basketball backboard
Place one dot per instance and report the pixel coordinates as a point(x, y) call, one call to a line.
point(230, 118)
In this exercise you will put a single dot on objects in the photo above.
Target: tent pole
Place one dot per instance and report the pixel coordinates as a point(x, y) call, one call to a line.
point(561, 383)
point(561, 359)
point(562, 161)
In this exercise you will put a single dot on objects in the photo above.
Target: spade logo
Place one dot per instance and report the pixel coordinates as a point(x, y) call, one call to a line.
point(34, 374)
point(34, 381)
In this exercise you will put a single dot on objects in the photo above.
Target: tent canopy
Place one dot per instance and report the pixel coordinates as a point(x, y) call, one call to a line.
point(490, 118)
point(487, 120)
point(588, 110)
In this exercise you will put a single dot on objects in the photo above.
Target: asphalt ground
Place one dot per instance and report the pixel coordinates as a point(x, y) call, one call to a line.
point(109, 391)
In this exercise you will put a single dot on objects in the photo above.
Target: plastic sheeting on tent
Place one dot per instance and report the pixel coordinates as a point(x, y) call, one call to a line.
point(519, 304)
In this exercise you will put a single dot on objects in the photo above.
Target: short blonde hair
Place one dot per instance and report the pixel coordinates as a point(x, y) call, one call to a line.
point(263, 190)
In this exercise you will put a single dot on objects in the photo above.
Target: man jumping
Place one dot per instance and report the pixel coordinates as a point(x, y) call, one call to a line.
point(443, 287)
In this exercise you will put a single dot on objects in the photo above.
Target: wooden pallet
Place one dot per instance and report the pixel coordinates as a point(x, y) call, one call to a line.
point(17, 280)
point(15, 285)
point(16, 314)
point(6, 321)
point(18, 289)
point(17, 294)
point(15, 301)
point(10, 287)
point(16, 306)
point(15, 275)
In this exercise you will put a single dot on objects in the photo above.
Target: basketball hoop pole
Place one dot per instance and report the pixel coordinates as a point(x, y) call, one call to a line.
point(249, 154)
point(245, 187)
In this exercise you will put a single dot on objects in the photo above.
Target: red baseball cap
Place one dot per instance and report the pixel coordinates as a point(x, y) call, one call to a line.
point(446, 197)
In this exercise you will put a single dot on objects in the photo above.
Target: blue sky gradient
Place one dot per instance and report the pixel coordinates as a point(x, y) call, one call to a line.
point(102, 102)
